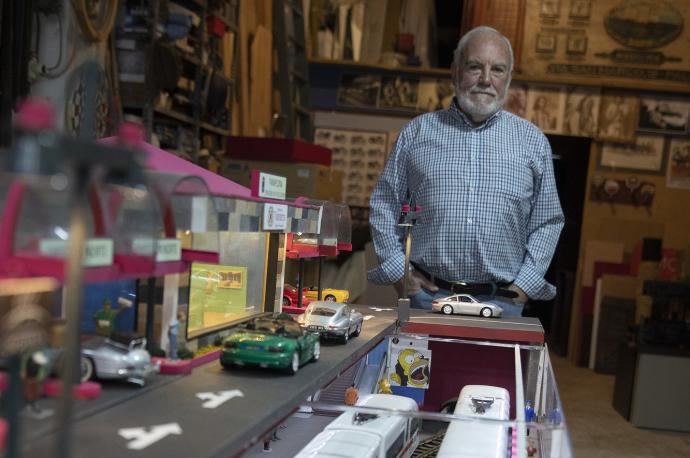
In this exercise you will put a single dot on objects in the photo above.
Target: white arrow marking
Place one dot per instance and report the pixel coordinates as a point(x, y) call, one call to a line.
point(143, 438)
point(367, 317)
point(213, 400)
point(377, 309)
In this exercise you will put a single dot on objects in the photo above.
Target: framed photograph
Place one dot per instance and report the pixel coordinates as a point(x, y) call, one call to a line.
point(678, 172)
point(581, 117)
point(663, 115)
point(545, 106)
point(359, 90)
point(576, 44)
point(546, 42)
point(550, 8)
point(433, 95)
point(580, 10)
point(645, 155)
point(618, 116)
point(516, 102)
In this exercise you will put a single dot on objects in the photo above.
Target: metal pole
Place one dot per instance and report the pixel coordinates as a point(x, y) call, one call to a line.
point(319, 280)
point(150, 306)
point(73, 298)
point(14, 395)
point(300, 282)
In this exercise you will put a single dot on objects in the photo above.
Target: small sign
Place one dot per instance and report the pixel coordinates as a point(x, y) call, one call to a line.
point(166, 249)
point(268, 186)
point(97, 252)
point(275, 217)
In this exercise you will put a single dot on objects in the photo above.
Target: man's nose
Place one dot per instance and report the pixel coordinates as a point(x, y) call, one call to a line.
point(485, 77)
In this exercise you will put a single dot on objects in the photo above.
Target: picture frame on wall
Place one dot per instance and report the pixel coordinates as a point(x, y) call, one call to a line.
point(516, 102)
point(618, 116)
point(678, 171)
point(646, 155)
point(664, 115)
point(581, 117)
point(545, 107)
point(359, 90)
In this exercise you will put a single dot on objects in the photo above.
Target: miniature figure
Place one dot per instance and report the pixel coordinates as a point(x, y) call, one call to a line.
point(332, 319)
point(173, 330)
point(466, 304)
point(105, 317)
point(351, 395)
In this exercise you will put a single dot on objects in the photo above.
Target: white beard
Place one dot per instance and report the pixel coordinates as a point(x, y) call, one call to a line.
point(476, 110)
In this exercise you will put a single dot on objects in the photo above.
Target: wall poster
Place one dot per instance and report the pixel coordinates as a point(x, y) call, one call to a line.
point(617, 42)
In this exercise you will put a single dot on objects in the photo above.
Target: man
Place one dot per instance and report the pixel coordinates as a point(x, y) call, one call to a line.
point(484, 179)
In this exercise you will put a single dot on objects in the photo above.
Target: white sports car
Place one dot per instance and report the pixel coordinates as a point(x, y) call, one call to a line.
point(465, 304)
point(332, 319)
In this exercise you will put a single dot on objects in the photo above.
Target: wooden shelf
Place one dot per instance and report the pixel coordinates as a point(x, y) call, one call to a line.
point(175, 115)
point(214, 129)
point(378, 67)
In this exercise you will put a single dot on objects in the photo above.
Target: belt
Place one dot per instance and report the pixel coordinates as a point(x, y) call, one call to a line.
point(467, 287)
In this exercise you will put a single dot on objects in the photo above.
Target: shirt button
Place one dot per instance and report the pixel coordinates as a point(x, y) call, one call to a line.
point(469, 220)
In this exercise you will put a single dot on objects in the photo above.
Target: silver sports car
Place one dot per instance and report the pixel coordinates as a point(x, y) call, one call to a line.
point(332, 319)
point(121, 356)
point(465, 304)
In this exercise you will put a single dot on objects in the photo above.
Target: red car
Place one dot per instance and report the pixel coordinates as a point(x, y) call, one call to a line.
point(290, 300)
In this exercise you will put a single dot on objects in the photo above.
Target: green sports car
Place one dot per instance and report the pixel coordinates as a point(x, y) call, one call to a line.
point(271, 342)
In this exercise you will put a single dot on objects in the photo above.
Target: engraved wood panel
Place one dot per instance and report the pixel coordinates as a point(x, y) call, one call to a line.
point(609, 42)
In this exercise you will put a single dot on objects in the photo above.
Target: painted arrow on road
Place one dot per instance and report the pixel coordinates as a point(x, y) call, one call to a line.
point(140, 438)
point(214, 399)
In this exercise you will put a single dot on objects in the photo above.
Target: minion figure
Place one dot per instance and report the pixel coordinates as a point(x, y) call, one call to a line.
point(411, 369)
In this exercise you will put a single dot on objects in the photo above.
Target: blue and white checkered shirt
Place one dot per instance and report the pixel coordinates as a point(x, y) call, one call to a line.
point(490, 208)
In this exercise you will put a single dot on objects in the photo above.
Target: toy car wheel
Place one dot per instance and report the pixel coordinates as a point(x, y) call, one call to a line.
point(226, 366)
point(346, 336)
point(329, 298)
point(294, 365)
point(486, 312)
point(86, 368)
point(317, 351)
point(286, 301)
point(447, 309)
point(358, 330)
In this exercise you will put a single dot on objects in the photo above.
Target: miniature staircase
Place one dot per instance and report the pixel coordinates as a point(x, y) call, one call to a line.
point(335, 392)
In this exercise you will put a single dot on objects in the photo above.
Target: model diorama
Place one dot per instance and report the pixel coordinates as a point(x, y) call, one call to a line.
point(290, 300)
point(465, 304)
point(332, 320)
point(120, 356)
point(487, 439)
point(372, 435)
point(328, 294)
point(271, 342)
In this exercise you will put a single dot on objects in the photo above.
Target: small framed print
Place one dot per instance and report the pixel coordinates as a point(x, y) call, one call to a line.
point(546, 42)
point(664, 115)
point(580, 10)
point(618, 115)
point(645, 155)
point(550, 8)
point(678, 173)
point(545, 107)
point(576, 44)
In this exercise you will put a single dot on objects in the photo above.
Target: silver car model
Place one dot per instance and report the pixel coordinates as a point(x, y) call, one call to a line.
point(465, 304)
point(121, 356)
point(332, 319)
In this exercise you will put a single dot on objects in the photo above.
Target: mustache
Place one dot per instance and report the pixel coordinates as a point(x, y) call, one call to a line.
point(483, 91)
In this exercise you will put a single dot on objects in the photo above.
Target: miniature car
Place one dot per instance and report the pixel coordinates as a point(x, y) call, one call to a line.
point(120, 356)
point(465, 304)
point(290, 300)
point(328, 294)
point(332, 319)
point(271, 342)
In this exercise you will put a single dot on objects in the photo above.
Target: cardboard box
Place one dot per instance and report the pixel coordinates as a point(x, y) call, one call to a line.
point(310, 180)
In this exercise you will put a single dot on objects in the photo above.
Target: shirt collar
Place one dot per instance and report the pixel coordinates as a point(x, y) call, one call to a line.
point(456, 112)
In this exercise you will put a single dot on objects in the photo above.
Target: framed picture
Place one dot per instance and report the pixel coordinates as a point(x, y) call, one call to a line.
point(434, 95)
point(678, 172)
point(397, 92)
point(550, 8)
point(618, 116)
point(645, 155)
point(546, 42)
point(581, 117)
point(663, 115)
point(576, 44)
point(580, 10)
point(516, 102)
point(545, 106)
